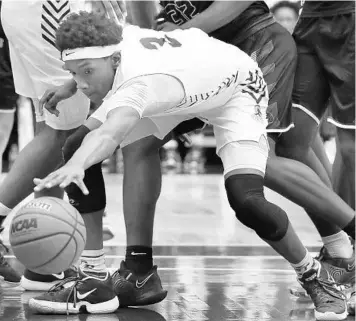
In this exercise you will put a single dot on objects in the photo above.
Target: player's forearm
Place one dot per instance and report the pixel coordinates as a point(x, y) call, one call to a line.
point(219, 14)
point(96, 147)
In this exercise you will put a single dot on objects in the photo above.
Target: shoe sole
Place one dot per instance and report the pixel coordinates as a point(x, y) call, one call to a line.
point(49, 307)
point(152, 299)
point(330, 316)
point(30, 285)
point(7, 284)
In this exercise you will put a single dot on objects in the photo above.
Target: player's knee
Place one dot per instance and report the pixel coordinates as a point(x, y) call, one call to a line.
point(73, 142)
point(246, 198)
point(96, 200)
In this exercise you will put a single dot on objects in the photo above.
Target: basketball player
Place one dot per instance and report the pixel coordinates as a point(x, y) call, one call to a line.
point(283, 179)
point(30, 27)
point(283, 175)
point(325, 38)
point(131, 74)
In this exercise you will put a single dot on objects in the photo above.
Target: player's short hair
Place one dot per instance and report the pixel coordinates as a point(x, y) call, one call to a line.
point(87, 29)
point(295, 6)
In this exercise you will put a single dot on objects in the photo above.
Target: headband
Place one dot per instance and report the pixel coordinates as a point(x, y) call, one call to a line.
point(89, 52)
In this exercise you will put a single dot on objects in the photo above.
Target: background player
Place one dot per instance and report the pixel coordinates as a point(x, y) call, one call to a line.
point(136, 105)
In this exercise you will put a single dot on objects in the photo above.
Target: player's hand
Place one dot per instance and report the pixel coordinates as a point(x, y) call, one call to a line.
point(63, 177)
point(53, 96)
point(115, 10)
point(166, 26)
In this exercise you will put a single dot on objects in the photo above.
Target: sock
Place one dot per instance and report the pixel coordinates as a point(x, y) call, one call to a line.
point(304, 265)
point(95, 260)
point(139, 259)
point(350, 229)
point(338, 245)
point(4, 211)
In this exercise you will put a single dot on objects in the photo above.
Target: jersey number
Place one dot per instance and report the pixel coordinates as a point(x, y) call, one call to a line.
point(155, 43)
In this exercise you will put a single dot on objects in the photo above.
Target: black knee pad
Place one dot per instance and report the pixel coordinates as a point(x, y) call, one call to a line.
point(246, 197)
point(188, 126)
point(94, 180)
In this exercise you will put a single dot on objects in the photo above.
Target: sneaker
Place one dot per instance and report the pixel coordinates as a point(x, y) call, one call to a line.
point(32, 281)
point(89, 292)
point(133, 290)
point(329, 301)
point(342, 271)
point(9, 278)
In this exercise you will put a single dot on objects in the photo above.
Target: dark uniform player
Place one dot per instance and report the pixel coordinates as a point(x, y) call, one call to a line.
point(8, 97)
point(325, 38)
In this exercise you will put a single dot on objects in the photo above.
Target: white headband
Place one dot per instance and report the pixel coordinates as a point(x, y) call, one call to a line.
point(89, 52)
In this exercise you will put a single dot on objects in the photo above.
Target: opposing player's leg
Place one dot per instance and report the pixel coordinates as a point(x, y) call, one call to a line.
point(244, 157)
point(94, 280)
point(319, 150)
point(7, 117)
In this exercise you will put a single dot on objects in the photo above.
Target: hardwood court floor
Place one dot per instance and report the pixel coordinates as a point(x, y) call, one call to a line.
point(213, 268)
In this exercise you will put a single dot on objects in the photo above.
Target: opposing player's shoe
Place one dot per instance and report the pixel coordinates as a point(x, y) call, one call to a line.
point(32, 281)
point(133, 290)
point(342, 270)
point(9, 278)
point(329, 301)
point(89, 291)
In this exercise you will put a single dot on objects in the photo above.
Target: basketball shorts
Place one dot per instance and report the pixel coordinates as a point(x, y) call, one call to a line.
point(239, 126)
point(8, 98)
point(274, 50)
point(325, 72)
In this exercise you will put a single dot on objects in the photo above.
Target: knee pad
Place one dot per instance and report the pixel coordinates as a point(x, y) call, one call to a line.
point(94, 180)
point(246, 198)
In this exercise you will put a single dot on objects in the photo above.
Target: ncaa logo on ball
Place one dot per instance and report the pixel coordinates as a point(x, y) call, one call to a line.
point(23, 225)
point(39, 205)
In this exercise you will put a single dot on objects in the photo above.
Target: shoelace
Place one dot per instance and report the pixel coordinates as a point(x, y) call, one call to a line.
point(73, 289)
point(321, 286)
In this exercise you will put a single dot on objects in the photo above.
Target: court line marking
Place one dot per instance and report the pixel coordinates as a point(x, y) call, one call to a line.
point(222, 257)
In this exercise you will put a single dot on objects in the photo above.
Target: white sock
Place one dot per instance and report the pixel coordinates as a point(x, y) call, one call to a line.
point(94, 258)
point(4, 210)
point(304, 265)
point(338, 245)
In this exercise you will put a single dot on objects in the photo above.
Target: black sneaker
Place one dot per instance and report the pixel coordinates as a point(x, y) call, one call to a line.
point(329, 301)
point(89, 291)
point(133, 290)
point(9, 278)
point(32, 281)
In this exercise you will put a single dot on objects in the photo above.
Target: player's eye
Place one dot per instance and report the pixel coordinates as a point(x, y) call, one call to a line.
point(88, 71)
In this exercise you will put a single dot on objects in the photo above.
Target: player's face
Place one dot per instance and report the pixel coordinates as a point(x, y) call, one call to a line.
point(287, 18)
point(94, 77)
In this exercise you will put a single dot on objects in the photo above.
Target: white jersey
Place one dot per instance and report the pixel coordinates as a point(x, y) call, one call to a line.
point(209, 70)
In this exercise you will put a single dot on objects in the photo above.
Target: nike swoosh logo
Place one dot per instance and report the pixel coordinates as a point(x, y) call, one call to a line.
point(84, 295)
point(70, 53)
point(135, 253)
point(59, 276)
point(139, 285)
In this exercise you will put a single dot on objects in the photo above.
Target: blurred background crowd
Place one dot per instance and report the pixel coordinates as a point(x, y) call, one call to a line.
point(17, 123)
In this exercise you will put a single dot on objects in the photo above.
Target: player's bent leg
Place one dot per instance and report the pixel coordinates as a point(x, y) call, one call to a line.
point(6, 123)
point(319, 150)
point(142, 187)
point(244, 184)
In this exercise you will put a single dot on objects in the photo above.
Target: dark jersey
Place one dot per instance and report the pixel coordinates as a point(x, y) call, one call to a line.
point(326, 8)
point(6, 79)
point(253, 19)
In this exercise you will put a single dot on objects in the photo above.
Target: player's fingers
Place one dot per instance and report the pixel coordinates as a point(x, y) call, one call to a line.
point(44, 100)
point(119, 10)
point(55, 181)
point(51, 105)
point(67, 180)
point(80, 183)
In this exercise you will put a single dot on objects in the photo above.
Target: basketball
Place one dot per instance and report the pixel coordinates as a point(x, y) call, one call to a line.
point(47, 235)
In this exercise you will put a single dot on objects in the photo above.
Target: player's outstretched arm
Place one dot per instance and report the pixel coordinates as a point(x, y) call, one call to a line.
point(96, 146)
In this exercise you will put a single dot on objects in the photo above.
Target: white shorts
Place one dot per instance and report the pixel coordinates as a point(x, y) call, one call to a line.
point(239, 120)
point(36, 64)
